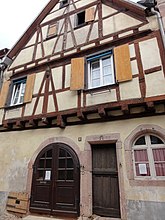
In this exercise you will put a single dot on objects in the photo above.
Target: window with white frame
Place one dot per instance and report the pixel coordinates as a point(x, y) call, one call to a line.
point(149, 157)
point(100, 70)
point(18, 91)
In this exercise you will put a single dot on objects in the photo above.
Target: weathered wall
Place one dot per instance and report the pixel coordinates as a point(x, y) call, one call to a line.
point(19, 147)
point(138, 210)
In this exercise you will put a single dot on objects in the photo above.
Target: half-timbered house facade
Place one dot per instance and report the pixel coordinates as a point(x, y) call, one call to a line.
point(82, 125)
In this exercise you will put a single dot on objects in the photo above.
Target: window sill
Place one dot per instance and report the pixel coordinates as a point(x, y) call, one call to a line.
point(14, 106)
point(147, 182)
point(100, 88)
point(50, 37)
point(79, 26)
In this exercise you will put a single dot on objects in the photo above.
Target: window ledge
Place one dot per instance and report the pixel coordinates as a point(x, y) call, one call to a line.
point(50, 37)
point(14, 106)
point(147, 182)
point(101, 88)
point(79, 26)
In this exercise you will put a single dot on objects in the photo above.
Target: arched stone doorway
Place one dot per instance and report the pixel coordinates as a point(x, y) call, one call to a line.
point(56, 181)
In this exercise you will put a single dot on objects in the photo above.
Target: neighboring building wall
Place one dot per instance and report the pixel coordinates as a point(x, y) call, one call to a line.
point(161, 7)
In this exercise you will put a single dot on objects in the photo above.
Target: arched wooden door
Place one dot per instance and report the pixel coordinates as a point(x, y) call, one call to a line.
point(56, 182)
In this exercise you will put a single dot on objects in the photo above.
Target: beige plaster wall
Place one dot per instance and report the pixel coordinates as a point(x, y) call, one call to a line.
point(19, 147)
point(118, 22)
point(101, 97)
point(150, 53)
point(106, 10)
point(57, 77)
point(23, 57)
point(130, 89)
point(67, 100)
point(32, 40)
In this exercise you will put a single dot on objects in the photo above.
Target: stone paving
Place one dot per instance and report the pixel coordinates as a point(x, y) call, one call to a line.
point(8, 216)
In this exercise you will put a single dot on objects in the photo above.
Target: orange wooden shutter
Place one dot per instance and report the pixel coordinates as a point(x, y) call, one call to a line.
point(4, 93)
point(89, 14)
point(29, 88)
point(122, 63)
point(77, 74)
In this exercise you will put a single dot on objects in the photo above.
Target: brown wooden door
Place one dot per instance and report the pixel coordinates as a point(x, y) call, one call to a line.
point(55, 184)
point(105, 181)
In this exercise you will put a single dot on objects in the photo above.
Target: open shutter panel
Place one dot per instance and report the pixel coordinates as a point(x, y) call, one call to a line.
point(89, 14)
point(29, 88)
point(4, 93)
point(122, 63)
point(77, 74)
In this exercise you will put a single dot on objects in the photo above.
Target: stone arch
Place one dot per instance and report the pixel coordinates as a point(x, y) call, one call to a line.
point(128, 143)
point(48, 141)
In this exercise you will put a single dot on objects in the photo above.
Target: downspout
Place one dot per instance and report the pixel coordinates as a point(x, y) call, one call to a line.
point(160, 24)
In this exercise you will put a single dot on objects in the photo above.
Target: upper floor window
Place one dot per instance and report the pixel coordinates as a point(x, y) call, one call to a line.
point(100, 70)
point(85, 16)
point(52, 30)
point(149, 157)
point(64, 3)
point(18, 91)
point(80, 20)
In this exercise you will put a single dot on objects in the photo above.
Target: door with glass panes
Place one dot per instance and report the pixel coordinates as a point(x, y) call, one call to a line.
point(56, 180)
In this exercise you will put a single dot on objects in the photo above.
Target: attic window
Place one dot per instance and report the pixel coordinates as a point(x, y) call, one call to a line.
point(80, 18)
point(85, 16)
point(52, 30)
point(63, 3)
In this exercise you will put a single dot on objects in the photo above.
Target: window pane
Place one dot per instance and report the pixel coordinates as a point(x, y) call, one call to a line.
point(62, 153)
point(95, 65)
point(108, 79)
point(160, 169)
point(159, 154)
point(140, 155)
point(96, 83)
point(48, 163)
point(107, 70)
point(61, 163)
point(69, 163)
point(70, 175)
point(141, 141)
point(106, 61)
point(61, 175)
point(40, 175)
point(95, 74)
point(159, 158)
point(49, 153)
point(41, 163)
point(155, 140)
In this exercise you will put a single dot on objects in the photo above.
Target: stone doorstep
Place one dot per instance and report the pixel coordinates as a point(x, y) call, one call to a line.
point(32, 217)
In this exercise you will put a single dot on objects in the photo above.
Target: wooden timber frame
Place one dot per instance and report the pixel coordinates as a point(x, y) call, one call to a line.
point(81, 114)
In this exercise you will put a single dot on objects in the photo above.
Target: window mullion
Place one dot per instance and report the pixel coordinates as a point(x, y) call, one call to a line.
point(12, 98)
point(101, 72)
point(150, 156)
point(112, 69)
point(20, 91)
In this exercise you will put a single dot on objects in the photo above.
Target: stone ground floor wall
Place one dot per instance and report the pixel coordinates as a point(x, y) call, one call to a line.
point(19, 149)
point(138, 210)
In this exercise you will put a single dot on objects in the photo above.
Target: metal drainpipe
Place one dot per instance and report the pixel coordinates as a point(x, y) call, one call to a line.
point(1, 74)
point(160, 24)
